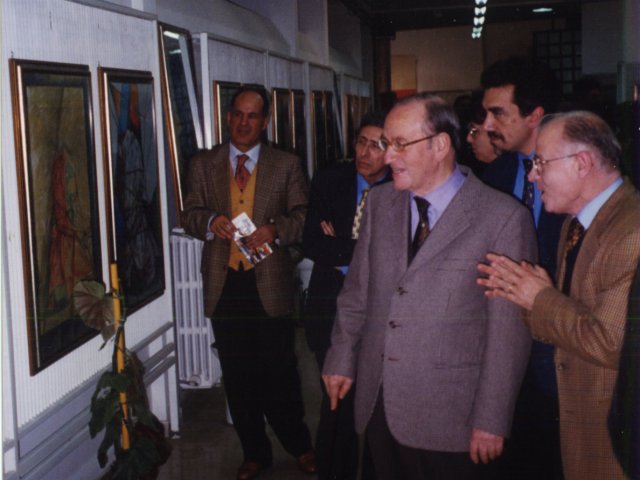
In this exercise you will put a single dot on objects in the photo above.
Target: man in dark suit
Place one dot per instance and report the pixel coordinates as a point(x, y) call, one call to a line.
point(577, 167)
point(338, 193)
point(437, 364)
point(624, 416)
point(250, 304)
point(517, 94)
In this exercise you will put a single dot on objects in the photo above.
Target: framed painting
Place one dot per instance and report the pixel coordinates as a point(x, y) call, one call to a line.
point(283, 130)
point(319, 126)
point(180, 107)
point(223, 92)
point(300, 128)
point(132, 188)
point(55, 153)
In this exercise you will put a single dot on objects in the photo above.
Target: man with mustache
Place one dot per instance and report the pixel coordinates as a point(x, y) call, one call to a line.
point(517, 94)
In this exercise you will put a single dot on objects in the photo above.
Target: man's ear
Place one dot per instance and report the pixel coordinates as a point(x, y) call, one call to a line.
point(442, 142)
point(535, 117)
point(585, 162)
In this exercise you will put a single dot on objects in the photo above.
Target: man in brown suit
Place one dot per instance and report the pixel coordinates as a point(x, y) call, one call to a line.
point(577, 170)
point(250, 305)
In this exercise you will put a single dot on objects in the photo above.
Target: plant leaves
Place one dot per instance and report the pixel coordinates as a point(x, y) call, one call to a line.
point(94, 306)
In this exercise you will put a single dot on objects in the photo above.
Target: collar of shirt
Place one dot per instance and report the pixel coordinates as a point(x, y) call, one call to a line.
point(252, 161)
point(591, 209)
point(438, 199)
point(518, 187)
point(362, 184)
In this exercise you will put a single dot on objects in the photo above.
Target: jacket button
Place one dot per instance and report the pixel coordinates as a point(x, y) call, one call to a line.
point(401, 291)
point(393, 324)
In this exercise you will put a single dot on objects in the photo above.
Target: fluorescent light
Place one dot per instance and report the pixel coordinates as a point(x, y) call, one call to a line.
point(542, 10)
point(478, 21)
point(480, 11)
point(481, 2)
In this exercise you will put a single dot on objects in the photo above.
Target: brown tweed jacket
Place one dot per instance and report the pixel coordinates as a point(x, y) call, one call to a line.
point(587, 328)
point(281, 195)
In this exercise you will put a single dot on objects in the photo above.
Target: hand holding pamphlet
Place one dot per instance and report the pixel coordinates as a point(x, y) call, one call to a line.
point(245, 228)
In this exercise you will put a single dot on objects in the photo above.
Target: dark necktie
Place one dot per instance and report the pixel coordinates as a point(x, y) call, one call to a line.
point(422, 230)
point(355, 229)
point(242, 174)
point(527, 193)
point(575, 234)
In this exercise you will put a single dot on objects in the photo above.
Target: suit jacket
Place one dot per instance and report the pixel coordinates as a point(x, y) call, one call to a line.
point(624, 416)
point(587, 329)
point(501, 174)
point(449, 358)
point(281, 195)
point(332, 198)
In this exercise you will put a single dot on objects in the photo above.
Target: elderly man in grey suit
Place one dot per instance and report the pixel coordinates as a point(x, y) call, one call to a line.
point(250, 305)
point(438, 365)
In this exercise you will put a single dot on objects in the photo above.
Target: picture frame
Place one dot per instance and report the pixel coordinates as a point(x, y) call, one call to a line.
point(282, 114)
point(319, 129)
point(223, 92)
point(131, 183)
point(180, 106)
point(58, 204)
point(300, 128)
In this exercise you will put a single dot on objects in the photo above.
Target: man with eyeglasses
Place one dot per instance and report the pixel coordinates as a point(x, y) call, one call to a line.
point(437, 363)
point(336, 202)
point(577, 169)
point(517, 94)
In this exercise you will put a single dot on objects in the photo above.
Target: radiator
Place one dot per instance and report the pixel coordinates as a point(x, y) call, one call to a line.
point(198, 364)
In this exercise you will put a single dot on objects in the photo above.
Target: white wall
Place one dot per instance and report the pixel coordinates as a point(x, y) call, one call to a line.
point(42, 30)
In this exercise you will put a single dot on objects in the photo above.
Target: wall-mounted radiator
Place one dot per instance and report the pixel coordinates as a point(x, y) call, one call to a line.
point(198, 364)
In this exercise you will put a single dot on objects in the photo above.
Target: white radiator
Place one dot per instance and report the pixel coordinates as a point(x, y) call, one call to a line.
point(198, 364)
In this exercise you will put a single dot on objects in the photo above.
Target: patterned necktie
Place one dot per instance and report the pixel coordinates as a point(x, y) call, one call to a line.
point(422, 230)
point(242, 174)
point(571, 248)
point(527, 193)
point(355, 229)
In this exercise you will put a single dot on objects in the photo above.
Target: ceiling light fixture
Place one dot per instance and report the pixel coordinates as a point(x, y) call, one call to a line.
point(478, 20)
point(542, 10)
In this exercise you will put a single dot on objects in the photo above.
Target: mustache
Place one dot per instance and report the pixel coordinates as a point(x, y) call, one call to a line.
point(495, 135)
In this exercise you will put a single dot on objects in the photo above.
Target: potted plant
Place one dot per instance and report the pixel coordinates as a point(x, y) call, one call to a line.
point(119, 404)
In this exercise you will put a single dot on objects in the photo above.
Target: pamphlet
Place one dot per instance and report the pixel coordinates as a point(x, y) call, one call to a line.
point(245, 228)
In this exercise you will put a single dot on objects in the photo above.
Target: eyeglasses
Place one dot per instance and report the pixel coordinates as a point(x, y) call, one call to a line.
point(399, 146)
point(538, 162)
point(473, 131)
point(364, 142)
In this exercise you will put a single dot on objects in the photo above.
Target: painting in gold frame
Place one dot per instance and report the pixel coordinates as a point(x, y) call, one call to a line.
point(55, 153)
point(131, 183)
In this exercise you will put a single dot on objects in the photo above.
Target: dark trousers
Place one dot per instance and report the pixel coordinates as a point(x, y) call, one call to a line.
point(337, 440)
point(394, 461)
point(259, 370)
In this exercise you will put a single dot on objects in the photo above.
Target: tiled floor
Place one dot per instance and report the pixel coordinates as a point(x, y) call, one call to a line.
point(208, 447)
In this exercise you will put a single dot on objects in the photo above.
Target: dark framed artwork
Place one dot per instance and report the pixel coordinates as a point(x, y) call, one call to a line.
point(300, 128)
point(55, 155)
point(283, 129)
point(131, 173)
point(180, 106)
point(319, 126)
point(223, 92)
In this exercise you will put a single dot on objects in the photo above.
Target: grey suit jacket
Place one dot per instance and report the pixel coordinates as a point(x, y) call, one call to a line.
point(281, 195)
point(449, 358)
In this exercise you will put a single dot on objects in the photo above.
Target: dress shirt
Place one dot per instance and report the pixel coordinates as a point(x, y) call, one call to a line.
point(590, 210)
point(250, 163)
point(438, 199)
point(518, 187)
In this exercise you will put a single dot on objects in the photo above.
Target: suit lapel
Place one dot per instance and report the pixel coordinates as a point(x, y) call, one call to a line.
point(452, 223)
point(591, 243)
point(219, 176)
